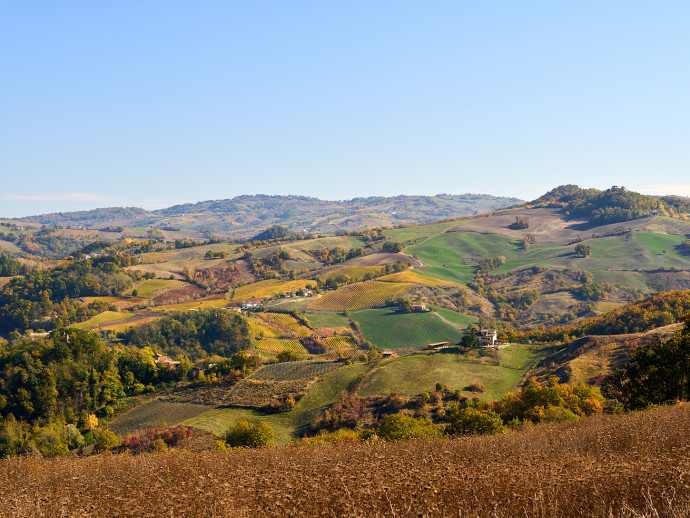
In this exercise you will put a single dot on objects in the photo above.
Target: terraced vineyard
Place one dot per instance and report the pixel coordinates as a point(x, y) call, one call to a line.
point(276, 345)
point(286, 323)
point(260, 329)
point(156, 413)
point(360, 295)
point(278, 380)
point(293, 370)
point(345, 342)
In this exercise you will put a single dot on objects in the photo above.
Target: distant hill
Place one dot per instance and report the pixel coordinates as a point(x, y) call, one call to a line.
point(87, 217)
point(245, 216)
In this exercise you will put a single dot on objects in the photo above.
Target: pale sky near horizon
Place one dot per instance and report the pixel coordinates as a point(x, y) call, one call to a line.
point(156, 103)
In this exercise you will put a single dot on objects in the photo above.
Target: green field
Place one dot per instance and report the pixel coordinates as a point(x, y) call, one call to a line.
point(286, 427)
point(420, 232)
point(318, 320)
point(148, 288)
point(452, 256)
point(457, 318)
point(388, 329)
point(415, 373)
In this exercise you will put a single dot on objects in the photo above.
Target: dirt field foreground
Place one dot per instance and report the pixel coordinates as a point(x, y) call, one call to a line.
point(632, 465)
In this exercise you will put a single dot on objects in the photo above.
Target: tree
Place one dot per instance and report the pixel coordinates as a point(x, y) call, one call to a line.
point(582, 250)
point(397, 427)
point(655, 375)
point(287, 356)
point(472, 421)
point(248, 435)
point(470, 339)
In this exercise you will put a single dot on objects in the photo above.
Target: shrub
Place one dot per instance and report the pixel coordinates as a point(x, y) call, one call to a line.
point(287, 356)
point(72, 437)
point(106, 440)
point(249, 435)
point(396, 427)
point(340, 435)
point(472, 421)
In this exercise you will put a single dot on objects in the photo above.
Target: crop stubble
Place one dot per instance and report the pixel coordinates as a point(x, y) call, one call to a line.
point(632, 465)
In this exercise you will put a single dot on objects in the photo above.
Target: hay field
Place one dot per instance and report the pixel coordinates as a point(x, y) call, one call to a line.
point(632, 465)
point(416, 277)
point(268, 288)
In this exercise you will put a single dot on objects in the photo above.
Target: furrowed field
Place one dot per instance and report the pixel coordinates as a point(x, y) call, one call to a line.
point(360, 295)
point(633, 465)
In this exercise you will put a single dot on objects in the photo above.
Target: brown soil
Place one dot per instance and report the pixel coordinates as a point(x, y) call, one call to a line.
point(548, 226)
point(177, 295)
point(636, 464)
point(538, 279)
point(666, 280)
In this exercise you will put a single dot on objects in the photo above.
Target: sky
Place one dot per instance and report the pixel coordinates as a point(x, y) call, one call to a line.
point(154, 103)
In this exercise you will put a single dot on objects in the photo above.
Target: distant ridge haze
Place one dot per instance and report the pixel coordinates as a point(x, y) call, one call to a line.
point(244, 215)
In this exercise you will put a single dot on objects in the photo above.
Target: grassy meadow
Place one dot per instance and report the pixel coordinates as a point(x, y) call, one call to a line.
point(390, 329)
point(409, 375)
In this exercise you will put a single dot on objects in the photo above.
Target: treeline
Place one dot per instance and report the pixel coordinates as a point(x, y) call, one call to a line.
point(396, 417)
point(196, 334)
point(613, 205)
point(55, 390)
point(657, 310)
point(45, 298)
point(655, 375)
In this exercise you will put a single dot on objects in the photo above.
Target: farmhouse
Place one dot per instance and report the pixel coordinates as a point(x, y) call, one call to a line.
point(388, 353)
point(487, 336)
point(165, 361)
point(418, 308)
point(250, 305)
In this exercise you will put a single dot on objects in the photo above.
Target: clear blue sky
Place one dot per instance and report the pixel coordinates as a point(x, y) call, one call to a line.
point(158, 102)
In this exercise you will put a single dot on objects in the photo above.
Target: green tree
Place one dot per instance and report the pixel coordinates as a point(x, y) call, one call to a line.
point(397, 427)
point(582, 250)
point(287, 356)
point(472, 421)
point(655, 375)
point(249, 435)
